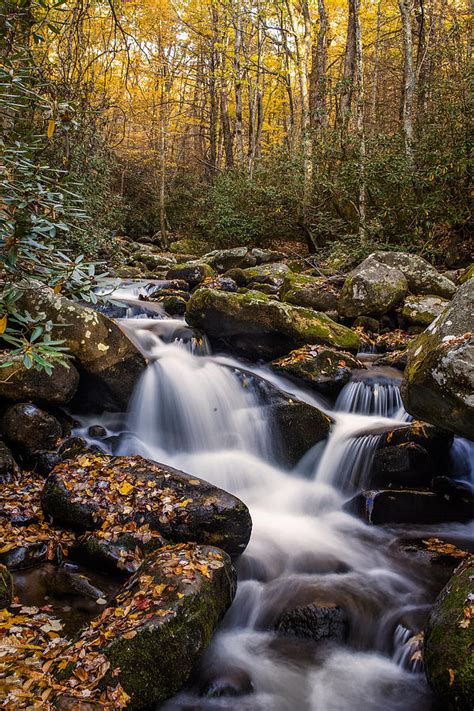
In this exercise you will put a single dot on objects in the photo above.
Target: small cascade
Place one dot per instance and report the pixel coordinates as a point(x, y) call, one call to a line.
point(408, 649)
point(373, 394)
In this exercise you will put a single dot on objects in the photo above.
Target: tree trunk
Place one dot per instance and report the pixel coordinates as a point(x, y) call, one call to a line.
point(409, 77)
point(348, 71)
point(359, 84)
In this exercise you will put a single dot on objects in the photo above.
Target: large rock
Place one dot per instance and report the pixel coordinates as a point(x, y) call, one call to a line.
point(270, 274)
point(8, 467)
point(449, 641)
point(421, 276)
point(299, 427)
point(159, 624)
point(324, 369)
point(30, 428)
point(409, 506)
point(192, 272)
point(224, 259)
point(407, 465)
point(372, 289)
point(258, 326)
point(314, 292)
point(95, 492)
point(100, 347)
point(20, 383)
point(439, 378)
point(422, 310)
point(316, 622)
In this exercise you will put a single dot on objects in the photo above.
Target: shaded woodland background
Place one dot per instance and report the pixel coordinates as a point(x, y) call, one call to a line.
point(340, 125)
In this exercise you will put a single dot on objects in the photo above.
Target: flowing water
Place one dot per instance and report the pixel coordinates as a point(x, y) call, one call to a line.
point(206, 415)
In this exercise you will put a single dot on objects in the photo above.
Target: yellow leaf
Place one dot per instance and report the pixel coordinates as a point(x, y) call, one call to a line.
point(3, 323)
point(158, 589)
point(126, 488)
point(451, 677)
point(58, 288)
point(51, 127)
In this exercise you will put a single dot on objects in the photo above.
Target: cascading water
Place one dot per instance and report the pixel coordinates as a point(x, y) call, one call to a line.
point(192, 411)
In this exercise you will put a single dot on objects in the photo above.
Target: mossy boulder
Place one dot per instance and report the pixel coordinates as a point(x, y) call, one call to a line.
point(439, 378)
point(224, 259)
point(96, 492)
point(257, 326)
point(189, 246)
point(192, 272)
point(421, 276)
point(313, 292)
point(20, 383)
point(98, 344)
point(449, 641)
point(324, 369)
point(422, 310)
point(155, 629)
point(372, 289)
point(6, 587)
point(270, 274)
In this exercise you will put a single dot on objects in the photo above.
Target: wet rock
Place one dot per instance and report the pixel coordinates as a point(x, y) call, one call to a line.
point(421, 276)
point(8, 467)
point(97, 431)
point(155, 261)
point(230, 682)
point(372, 325)
point(6, 587)
point(313, 292)
point(316, 622)
point(19, 383)
point(439, 378)
point(98, 344)
point(171, 608)
point(448, 645)
point(174, 305)
point(224, 259)
point(446, 486)
point(422, 310)
point(30, 428)
point(26, 555)
point(437, 442)
point(324, 369)
point(372, 289)
point(408, 506)
point(258, 326)
point(192, 272)
point(408, 465)
point(121, 553)
point(298, 426)
point(96, 492)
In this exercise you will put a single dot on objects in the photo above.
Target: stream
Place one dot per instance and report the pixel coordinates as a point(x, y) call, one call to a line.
point(205, 414)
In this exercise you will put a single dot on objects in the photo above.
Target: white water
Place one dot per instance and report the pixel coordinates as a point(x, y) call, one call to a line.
point(195, 412)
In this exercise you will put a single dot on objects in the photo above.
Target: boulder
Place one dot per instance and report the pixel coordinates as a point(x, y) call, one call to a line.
point(316, 622)
point(159, 623)
point(406, 465)
point(324, 369)
point(30, 428)
point(422, 310)
point(372, 289)
point(100, 347)
point(189, 246)
point(6, 587)
point(265, 256)
point(8, 467)
point(20, 383)
point(271, 274)
point(299, 427)
point(192, 272)
point(224, 259)
point(438, 385)
point(258, 326)
point(421, 276)
point(314, 292)
point(409, 506)
point(94, 492)
point(121, 553)
point(449, 639)
point(436, 441)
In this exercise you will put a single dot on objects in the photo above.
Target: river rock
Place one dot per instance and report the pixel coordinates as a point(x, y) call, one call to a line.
point(270, 274)
point(30, 428)
point(324, 369)
point(6, 587)
point(407, 465)
point(101, 348)
point(186, 245)
point(258, 326)
point(192, 272)
point(372, 289)
point(121, 553)
point(314, 292)
point(299, 427)
point(422, 310)
point(265, 256)
point(224, 259)
point(169, 611)
point(449, 640)
point(409, 506)
point(436, 441)
point(8, 467)
point(20, 383)
point(439, 378)
point(94, 492)
point(421, 276)
point(316, 622)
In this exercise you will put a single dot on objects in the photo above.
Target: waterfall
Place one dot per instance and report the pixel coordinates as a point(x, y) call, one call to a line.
point(193, 411)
